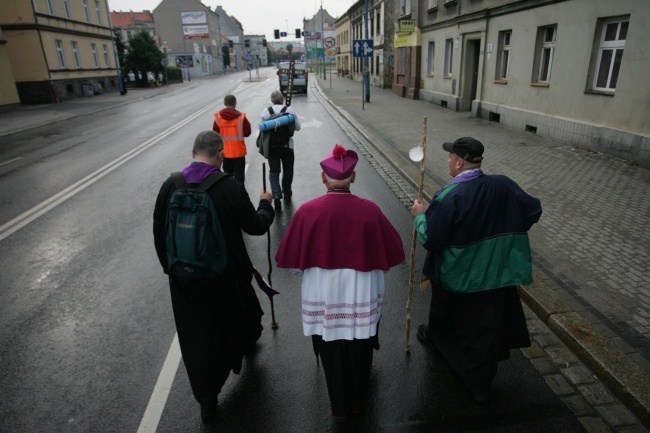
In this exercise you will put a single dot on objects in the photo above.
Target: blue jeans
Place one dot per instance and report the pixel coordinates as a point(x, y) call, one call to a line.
point(284, 156)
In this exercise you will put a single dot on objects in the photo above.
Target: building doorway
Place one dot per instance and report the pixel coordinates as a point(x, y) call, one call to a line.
point(470, 74)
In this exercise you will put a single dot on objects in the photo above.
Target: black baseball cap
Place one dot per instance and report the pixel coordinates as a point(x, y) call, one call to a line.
point(468, 148)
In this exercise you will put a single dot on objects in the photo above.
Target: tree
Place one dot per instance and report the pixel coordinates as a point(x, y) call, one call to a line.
point(289, 48)
point(143, 55)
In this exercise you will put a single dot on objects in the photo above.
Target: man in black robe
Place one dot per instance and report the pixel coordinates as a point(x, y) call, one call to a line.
point(218, 320)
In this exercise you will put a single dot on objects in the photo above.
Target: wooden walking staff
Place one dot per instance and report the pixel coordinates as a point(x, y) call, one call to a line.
point(274, 324)
point(415, 154)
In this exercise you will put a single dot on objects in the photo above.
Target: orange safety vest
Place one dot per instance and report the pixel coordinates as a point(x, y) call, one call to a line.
point(232, 132)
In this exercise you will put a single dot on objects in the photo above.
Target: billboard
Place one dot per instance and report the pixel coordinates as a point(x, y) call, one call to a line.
point(196, 32)
point(193, 17)
point(180, 61)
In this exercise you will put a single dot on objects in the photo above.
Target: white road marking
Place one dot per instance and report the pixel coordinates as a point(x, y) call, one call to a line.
point(27, 217)
point(10, 161)
point(153, 413)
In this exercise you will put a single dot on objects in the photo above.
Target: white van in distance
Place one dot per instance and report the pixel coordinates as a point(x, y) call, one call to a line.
point(300, 77)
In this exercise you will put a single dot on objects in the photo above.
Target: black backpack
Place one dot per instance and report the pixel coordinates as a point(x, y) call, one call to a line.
point(196, 245)
point(279, 136)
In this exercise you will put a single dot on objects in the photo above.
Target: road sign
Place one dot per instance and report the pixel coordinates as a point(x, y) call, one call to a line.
point(329, 52)
point(330, 42)
point(362, 47)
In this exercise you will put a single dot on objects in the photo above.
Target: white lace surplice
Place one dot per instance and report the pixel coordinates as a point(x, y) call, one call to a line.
point(341, 304)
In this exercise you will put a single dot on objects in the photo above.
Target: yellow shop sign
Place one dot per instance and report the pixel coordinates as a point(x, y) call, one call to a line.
point(406, 25)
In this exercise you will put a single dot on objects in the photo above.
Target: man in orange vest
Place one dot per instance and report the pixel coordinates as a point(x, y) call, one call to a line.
point(233, 126)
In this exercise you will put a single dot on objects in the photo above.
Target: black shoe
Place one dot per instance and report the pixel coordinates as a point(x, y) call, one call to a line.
point(425, 338)
point(277, 200)
point(209, 413)
point(287, 197)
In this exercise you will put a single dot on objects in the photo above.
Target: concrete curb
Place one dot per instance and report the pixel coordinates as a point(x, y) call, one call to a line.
point(625, 379)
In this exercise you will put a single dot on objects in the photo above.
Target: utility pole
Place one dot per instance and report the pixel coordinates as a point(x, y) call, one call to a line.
point(366, 73)
point(120, 83)
point(322, 36)
point(187, 66)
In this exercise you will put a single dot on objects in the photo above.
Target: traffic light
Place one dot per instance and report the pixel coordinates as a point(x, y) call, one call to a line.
point(298, 35)
point(276, 34)
point(231, 43)
point(263, 42)
point(247, 43)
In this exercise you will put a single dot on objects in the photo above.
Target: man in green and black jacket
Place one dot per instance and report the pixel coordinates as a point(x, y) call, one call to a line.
point(475, 232)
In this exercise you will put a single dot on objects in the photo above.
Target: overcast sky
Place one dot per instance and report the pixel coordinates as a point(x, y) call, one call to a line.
point(258, 17)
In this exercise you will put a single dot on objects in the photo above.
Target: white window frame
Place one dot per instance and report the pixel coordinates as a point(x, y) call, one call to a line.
point(546, 54)
point(616, 47)
point(85, 2)
point(93, 48)
point(50, 8)
point(66, 7)
point(431, 51)
point(404, 7)
point(106, 59)
point(99, 12)
point(449, 56)
point(505, 41)
point(433, 4)
point(75, 51)
point(60, 53)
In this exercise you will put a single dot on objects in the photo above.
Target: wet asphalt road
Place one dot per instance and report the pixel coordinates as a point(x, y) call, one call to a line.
point(86, 318)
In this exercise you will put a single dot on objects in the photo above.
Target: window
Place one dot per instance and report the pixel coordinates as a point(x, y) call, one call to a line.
point(59, 51)
point(75, 51)
point(610, 54)
point(431, 52)
point(86, 10)
point(372, 25)
point(433, 4)
point(503, 60)
point(99, 13)
point(404, 7)
point(106, 60)
point(547, 49)
point(66, 7)
point(449, 46)
point(50, 7)
point(378, 23)
point(93, 48)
